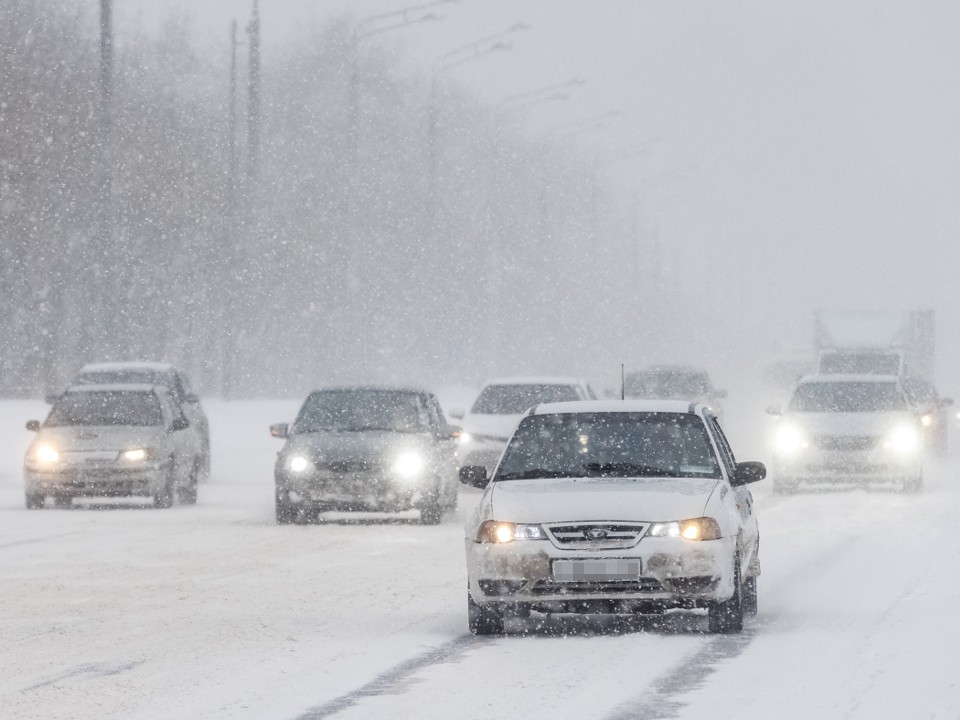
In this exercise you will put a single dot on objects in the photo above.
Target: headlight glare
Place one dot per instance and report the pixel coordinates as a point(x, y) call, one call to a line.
point(904, 439)
point(494, 531)
point(136, 454)
point(298, 464)
point(46, 454)
point(465, 438)
point(702, 528)
point(926, 420)
point(409, 465)
point(790, 440)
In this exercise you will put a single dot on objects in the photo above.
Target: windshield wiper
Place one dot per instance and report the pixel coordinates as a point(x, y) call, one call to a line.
point(535, 473)
point(625, 469)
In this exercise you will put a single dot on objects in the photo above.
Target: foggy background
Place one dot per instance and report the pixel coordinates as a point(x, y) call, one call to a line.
point(723, 170)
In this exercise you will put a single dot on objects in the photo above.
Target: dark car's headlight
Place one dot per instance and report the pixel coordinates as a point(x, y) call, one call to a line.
point(299, 464)
point(409, 465)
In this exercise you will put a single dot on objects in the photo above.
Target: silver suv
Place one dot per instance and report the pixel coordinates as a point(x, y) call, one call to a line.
point(112, 441)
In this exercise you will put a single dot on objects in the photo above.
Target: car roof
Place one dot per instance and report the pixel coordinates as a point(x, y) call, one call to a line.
point(136, 365)
point(117, 387)
point(849, 377)
point(536, 380)
point(373, 388)
point(685, 369)
point(611, 406)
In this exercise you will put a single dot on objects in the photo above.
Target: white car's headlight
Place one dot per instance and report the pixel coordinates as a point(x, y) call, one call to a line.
point(46, 454)
point(299, 464)
point(409, 465)
point(790, 440)
point(702, 528)
point(495, 531)
point(904, 439)
point(465, 438)
point(926, 420)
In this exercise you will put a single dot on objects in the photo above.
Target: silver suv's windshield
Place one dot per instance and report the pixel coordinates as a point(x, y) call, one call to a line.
point(361, 410)
point(609, 445)
point(119, 407)
point(853, 396)
point(667, 384)
point(515, 398)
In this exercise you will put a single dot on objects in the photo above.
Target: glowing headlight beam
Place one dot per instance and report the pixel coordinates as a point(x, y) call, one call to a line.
point(408, 465)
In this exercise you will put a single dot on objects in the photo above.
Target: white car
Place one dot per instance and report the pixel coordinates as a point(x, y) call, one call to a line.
point(614, 507)
point(847, 429)
point(501, 404)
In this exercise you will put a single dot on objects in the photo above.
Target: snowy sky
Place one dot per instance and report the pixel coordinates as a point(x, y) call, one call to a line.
point(786, 156)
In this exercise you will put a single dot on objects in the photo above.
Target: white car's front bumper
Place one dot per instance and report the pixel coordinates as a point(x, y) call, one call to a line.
point(672, 573)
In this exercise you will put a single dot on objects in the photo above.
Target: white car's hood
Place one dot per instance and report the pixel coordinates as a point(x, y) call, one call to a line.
point(854, 423)
point(492, 426)
point(570, 500)
point(83, 438)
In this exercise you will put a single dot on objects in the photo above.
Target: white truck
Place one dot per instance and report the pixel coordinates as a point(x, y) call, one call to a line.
point(875, 343)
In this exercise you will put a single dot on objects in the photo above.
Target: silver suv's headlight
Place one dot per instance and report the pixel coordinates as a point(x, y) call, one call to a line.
point(790, 439)
point(135, 455)
point(45, 454)
point(495, 531)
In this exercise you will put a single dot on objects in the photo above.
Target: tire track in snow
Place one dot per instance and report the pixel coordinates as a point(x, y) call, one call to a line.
point(665, 700)
point(390, 680)
point(31, 541)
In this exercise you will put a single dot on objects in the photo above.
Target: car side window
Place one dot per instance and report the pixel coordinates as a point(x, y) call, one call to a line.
point(436, 413)
point(726, 452)
point(183, 385)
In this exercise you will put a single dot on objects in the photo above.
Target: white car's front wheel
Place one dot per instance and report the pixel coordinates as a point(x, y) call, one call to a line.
point(726, 616)
point(484, 619)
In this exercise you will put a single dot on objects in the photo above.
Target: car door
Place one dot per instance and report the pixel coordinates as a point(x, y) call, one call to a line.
point(446, 444)
point(743, 498)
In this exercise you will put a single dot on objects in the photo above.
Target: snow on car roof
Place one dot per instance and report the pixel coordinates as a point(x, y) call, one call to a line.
point(594, 406)
point(117, 387)
point(535, 380)
point(126, 365)
point(850, 377)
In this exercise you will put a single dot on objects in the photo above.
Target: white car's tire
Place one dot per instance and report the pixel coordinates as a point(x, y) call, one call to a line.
point(484, 619)
point(726, 616)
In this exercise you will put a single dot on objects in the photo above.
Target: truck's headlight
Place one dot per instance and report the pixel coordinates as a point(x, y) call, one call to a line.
point(408, 465)
point(495, 531)
point(46, 454)
point(703, 528)
point(904, 440)
point(298, 464)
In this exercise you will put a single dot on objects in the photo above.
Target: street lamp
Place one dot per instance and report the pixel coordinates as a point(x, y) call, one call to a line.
point(548, 93)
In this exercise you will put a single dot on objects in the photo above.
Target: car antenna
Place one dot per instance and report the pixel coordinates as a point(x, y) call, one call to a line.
point(622, 383)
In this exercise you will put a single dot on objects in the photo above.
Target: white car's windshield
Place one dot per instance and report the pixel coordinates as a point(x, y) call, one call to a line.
point(609, 445)
point(847, 397)
point(514, 399)
point(361, 410)
point(106, 408)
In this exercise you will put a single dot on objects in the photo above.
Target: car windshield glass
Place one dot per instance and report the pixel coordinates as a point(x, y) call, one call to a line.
point(360, 410)
point(609, 445)
point(859, 364)
point(666, 384)
point(847, 397)
point(106, 408)
point(517, 398)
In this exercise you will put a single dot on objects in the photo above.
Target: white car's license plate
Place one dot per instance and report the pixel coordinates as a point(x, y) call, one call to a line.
point(596, 570)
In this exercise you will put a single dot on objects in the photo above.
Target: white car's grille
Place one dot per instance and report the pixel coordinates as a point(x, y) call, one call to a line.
point(596, 535)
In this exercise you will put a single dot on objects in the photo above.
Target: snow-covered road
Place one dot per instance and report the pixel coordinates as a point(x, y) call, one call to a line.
point(214, 611)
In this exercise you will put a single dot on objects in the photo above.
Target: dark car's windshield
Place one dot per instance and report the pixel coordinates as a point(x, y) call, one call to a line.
point(609, 445)
point(515, 398)
point(106, 408)
point(666, 384)
point(359, 410)
point(850, 396)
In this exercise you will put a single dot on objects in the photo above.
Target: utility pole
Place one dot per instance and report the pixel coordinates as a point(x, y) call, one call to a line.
point(113, 331)
point(253, 114)
point(232, 318)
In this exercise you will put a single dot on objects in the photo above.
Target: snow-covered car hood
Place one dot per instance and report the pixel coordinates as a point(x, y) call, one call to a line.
point(492, 426)
point(88, 438)
point(854, 423)
point(568, 500)
point(355, 446)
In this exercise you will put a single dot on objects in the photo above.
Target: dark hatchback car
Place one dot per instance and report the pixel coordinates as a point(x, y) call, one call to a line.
point(674, 382)
point(380, 449)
